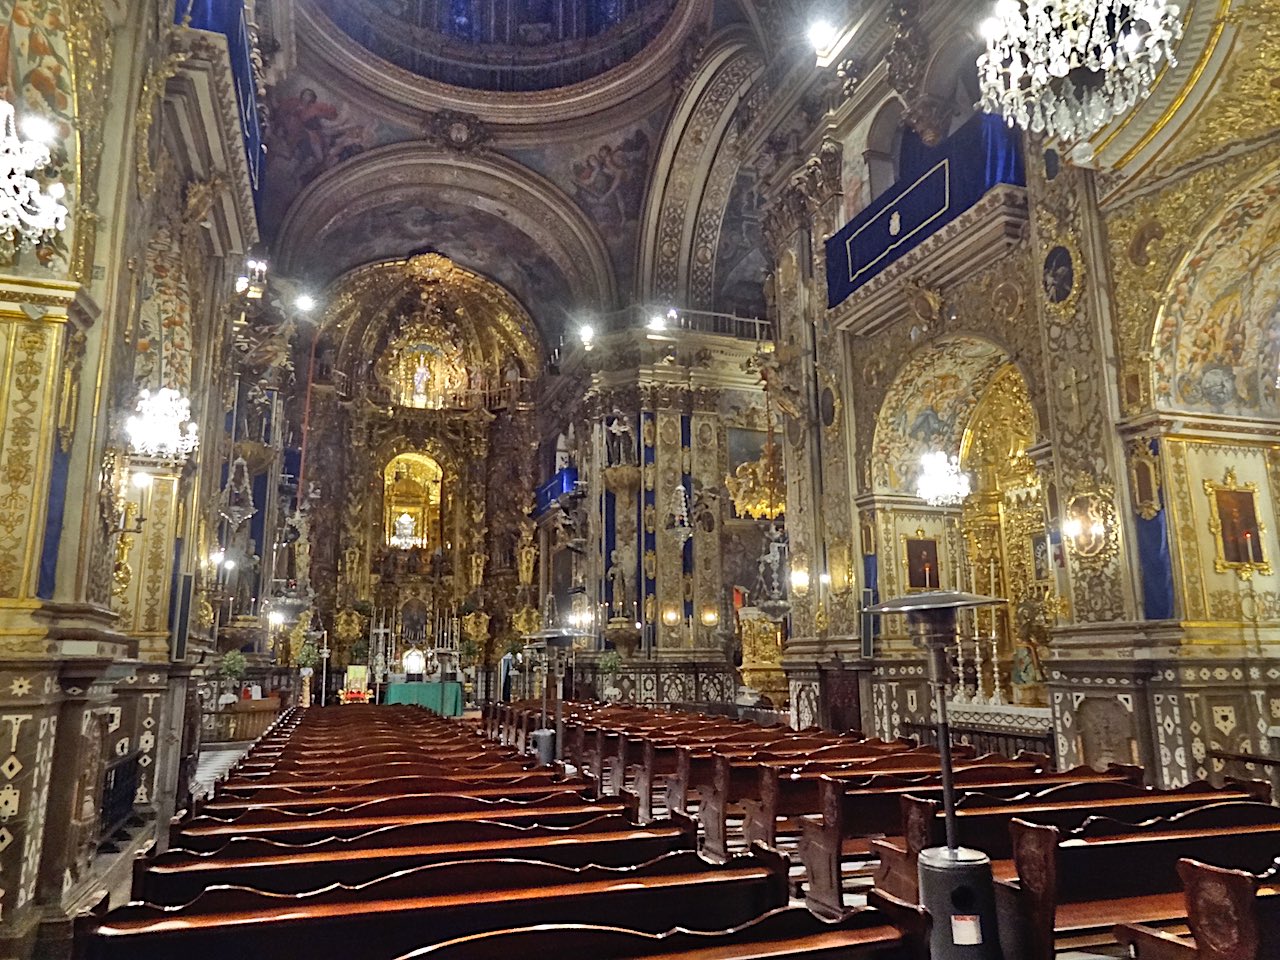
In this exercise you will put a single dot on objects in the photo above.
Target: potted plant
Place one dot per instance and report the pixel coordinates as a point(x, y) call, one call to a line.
point(608, 666)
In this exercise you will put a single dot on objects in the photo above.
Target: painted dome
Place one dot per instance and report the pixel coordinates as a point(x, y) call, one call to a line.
point(502, 45)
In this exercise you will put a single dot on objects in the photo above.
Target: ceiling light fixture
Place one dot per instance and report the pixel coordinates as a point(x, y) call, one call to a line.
point(30, 213)
point(1067, 68)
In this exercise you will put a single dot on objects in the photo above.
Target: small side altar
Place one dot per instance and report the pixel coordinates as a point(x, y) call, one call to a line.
point(444, 697)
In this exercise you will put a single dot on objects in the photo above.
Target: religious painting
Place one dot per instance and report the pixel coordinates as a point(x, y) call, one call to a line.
point(1059, 275)
point(1041, 560)
point(472, 238)
point(1237, 530)
point(920, 558)
point(609, 182)
point(1217, 343)
point(740, 265)
point(312, 131)
point(928, 407)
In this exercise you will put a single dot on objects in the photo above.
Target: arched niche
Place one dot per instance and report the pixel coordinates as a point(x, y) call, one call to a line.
point(412, 503)
point(1216, 344)
point(929, 406)
point(382, 318)
point(884, 141)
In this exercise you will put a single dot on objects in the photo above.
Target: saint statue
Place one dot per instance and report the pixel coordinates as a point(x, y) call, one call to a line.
point(618, 606)
point(620, 440)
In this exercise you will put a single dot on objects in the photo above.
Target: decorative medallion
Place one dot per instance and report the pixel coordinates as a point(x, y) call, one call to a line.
point(1059, 274)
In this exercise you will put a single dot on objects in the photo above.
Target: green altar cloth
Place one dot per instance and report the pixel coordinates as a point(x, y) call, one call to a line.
point(442, 698)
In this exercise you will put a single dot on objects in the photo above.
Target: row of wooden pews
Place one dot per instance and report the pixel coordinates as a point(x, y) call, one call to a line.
point(387, 832)
point(1082, 858)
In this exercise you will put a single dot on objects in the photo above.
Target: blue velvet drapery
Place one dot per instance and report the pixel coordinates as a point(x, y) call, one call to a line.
point(934, 187)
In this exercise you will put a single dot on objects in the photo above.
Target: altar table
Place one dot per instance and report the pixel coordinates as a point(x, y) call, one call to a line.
point(442, 698)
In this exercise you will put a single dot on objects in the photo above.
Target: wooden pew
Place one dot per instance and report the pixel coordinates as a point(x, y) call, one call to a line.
point(1232, 915)
point(736, 777)
point(342, 777)
point(791, 932)
point(176, 877)
point(1072, 890)
point(856, 811)
point(286, 798)
point(695, 763)
point(392, 915)
point(205, 833)
point(982, 820)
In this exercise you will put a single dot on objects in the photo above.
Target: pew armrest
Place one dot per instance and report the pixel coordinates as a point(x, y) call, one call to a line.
point(912, 919)
point(1147, 943)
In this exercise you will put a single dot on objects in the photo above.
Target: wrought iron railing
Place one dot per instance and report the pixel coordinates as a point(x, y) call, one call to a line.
point(119, 788)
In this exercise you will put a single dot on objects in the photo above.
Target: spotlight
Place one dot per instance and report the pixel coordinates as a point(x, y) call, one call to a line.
point(217, 557)
point(305, 302)
point(825, 579)
point(242, 284)
point(275, 618)
point(587, 334)
point(38, 128)
point(228, 564)
point(822, 36)
point(142, 480)
point(657, 322)
point(670, 616)
point(800, 581)
point(1072, 527)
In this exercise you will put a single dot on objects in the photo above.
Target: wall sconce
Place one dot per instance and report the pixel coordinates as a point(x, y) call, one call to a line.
point(670, 616)
point(800, 581)
point(1085, 524)
point(710, 616)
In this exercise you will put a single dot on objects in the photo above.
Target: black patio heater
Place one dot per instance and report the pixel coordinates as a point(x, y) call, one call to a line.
point(955, 881)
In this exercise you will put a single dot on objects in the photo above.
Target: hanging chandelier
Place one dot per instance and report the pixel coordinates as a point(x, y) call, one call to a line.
point(29, 212)
point(941, 482)
point(756, 486)
point(162, 428)
point(1067, 68)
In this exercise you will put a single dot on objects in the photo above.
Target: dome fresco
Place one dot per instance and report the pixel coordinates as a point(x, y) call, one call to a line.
point(502, 45)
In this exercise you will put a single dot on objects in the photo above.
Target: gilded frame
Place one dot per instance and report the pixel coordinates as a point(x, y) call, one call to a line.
point(1228, 530)
point(928, 576)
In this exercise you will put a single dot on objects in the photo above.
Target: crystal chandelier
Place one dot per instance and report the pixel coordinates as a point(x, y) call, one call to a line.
point(756, 486)
point(941, 482)
point(29, 213)
point(1066, 68)
point(162, 428)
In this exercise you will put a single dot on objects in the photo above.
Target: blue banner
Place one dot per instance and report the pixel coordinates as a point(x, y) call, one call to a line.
point(227, 17)
point(934, 188)
point(563, 482)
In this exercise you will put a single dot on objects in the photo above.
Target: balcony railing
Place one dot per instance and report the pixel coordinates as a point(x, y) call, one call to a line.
point(659, 320)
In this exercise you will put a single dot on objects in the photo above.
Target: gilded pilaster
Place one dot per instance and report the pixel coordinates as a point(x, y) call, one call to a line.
point(1075, 320)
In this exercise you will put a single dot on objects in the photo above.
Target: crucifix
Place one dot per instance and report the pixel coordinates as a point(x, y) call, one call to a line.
point(1072, 380)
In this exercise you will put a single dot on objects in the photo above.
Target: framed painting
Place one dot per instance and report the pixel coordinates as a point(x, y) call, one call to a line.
point(1236, 528)
point(1041, 558)
point(920, 560)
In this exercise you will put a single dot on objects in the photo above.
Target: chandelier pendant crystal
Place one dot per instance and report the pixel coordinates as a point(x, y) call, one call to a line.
point(1067, 68)
point(941, 482)
point(30, 213)
point(162, 428)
